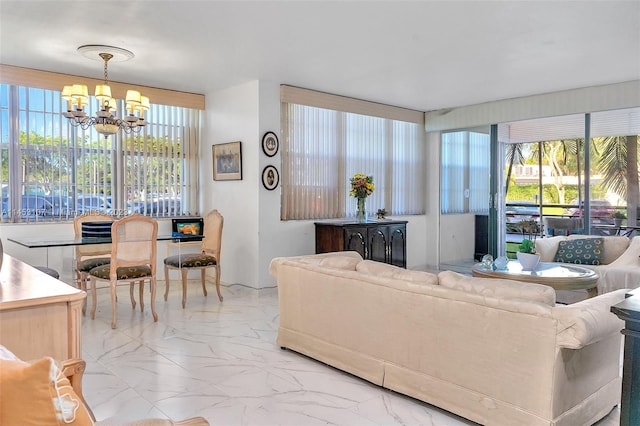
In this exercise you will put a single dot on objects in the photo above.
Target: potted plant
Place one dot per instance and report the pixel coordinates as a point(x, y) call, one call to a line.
point(617, 217)
point(381, 213)
point(526, 254)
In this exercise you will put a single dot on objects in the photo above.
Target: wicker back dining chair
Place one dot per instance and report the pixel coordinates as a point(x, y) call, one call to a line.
point(133, 258)
point(209, 257)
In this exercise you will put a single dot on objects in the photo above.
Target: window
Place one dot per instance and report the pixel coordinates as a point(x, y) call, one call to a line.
point(51, 171)
point(465, 172)
point(568, 188)
point(327, 139)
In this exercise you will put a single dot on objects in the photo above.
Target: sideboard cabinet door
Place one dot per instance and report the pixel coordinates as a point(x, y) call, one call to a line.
point(380, 241)
point(398, 245)
point(378, 238)
point(355, 239)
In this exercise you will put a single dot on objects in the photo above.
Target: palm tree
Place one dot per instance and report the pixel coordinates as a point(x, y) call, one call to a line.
point(513, 155)
point(619, 166)
point(559, 155)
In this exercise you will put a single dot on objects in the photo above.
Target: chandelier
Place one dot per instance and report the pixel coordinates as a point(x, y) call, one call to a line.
point(105, 121)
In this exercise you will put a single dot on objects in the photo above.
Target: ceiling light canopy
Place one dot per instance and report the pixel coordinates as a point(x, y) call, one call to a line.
point(105, 122)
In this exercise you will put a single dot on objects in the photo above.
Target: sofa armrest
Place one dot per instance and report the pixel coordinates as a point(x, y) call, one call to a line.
point(74, 369)
point(588, 321)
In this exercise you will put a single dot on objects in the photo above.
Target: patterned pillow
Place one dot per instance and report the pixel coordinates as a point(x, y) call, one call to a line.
point(584, 251)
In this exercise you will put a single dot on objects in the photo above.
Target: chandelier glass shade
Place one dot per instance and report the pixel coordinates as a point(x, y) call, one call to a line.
point(105, 120)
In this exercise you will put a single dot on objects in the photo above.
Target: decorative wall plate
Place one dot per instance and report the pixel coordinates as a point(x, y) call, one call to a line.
point(270, 177)
point(270, 144)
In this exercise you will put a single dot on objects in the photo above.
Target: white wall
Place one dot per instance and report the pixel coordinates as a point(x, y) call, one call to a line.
point(232, 115)
point(457, 237)
point(254, 234)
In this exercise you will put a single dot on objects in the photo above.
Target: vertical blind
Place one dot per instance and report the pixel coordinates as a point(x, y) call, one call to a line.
point(50, 170)
point(465, 172)
point(327, 139)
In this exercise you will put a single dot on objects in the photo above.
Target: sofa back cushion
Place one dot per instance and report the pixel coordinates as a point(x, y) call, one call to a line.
point(631, 256)
point(385, 270)
point(547, 247)
point(581, 251)
point(335, 261)
point(614, 246)
point(498, 288)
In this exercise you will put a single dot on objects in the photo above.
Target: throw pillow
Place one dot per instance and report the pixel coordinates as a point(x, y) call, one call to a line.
point(38, 394)
point(584, 251)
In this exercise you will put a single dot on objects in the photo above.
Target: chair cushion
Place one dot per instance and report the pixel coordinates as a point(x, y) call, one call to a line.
point(191, 260)
point(38, 394)
point(49, 271)
point(583, 251)
point(89, 264)
point(123, 273)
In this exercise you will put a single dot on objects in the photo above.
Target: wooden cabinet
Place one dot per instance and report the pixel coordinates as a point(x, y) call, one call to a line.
point(39, 315)
point(380, 241)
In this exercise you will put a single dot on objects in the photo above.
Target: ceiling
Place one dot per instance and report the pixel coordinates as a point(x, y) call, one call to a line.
point(424, 55)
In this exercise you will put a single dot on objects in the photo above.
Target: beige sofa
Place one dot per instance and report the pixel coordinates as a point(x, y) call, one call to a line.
point(497, 352)
point(620, 267)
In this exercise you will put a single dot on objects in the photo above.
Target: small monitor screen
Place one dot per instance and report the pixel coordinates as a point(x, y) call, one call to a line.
point(187, 227)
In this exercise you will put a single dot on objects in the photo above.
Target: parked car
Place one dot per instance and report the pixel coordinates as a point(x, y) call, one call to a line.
point(517, 211)
point(62, 207)
point(600, 211)
point(32, 206)
point(158, 207)
point(89, 203)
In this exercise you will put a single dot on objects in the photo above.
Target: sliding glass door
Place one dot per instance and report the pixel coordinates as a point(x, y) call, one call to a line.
point(570, 173)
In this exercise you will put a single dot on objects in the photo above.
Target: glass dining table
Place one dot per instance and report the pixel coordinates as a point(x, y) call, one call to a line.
point(34, 242)
point(39, 242)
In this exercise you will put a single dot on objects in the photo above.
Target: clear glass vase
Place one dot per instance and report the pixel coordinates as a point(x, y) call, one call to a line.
point(361, 214)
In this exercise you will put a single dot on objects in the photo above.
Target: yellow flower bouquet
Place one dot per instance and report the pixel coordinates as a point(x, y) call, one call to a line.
point(361, 188)
point(361, 185)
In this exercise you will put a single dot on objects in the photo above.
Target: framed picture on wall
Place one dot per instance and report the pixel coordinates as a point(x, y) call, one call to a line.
point(270, 144)
point(227, 161)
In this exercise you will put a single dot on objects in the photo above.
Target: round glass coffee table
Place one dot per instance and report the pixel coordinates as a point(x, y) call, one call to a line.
point(556, 275)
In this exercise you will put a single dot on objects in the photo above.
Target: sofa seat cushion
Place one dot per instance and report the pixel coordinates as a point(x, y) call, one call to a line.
point(385, 270)
point(498, 288)
point(38, 394)
point(580, 251)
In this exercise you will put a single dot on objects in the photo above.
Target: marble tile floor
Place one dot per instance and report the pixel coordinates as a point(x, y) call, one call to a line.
point(221, 361)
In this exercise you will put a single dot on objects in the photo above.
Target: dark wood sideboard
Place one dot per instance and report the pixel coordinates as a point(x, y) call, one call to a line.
point(383, 241)
point(629, 312)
